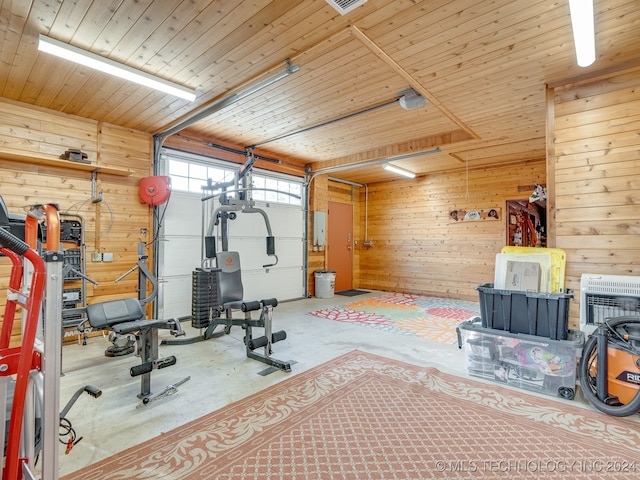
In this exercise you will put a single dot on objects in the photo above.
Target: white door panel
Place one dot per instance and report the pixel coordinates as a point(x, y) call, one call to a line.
point(182, 255)
point(258, 285)
point(176, 296)
point(183, 215)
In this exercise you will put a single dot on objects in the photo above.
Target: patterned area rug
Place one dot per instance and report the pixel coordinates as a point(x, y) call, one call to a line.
point(425, 317)
point(366, 416)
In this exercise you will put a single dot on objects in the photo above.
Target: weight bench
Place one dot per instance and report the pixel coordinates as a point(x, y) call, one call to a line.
point(127, 317)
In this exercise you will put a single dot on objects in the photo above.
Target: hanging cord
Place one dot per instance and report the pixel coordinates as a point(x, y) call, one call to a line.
point(466, 194)
point(68, 435)
point(76, 208)
point(159, 218)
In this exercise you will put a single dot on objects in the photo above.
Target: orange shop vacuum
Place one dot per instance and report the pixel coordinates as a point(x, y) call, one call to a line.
point(610, 367)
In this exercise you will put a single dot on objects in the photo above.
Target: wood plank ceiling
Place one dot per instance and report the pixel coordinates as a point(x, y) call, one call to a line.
point(482, 65)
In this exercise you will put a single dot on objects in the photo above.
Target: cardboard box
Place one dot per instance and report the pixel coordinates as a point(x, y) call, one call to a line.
point(523, 276)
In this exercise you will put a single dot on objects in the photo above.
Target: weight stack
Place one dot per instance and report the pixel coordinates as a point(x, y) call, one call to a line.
point(205, 296)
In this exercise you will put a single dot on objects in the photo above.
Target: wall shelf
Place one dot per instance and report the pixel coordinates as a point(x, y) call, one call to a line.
point(66, 164)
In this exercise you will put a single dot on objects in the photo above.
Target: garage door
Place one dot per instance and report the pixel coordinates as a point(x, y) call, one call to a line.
point(186, 218)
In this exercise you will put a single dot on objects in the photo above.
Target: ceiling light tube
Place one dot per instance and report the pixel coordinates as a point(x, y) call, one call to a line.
point(398, 170)
point(582, 23)
point(106, 65)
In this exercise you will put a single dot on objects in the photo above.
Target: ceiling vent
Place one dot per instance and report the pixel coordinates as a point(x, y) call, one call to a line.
point(345, 6)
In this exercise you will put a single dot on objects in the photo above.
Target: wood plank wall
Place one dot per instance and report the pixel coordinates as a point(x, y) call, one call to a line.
point(116, 224)
point(417, 248)
point(595, 158)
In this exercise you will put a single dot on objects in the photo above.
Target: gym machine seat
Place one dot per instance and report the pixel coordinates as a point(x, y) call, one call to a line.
point(231, 300)
point(127, 316)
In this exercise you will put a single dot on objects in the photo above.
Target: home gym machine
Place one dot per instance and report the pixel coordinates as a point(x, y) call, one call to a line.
point(31, 401)
point(217, 290)
point(610, 367)
point(126, 317)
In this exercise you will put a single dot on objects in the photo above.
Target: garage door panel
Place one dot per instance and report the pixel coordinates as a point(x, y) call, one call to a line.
point(181, 253)
point(253, 254)
point(183, 215)
point(283, 284)
point(176, 293)
point(282, 220)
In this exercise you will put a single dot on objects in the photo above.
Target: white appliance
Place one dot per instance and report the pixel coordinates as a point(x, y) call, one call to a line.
point(605, 296)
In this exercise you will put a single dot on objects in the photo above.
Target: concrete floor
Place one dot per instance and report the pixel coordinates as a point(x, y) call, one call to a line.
point(220, 374)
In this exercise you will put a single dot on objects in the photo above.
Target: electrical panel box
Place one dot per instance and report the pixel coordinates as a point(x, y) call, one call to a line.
point(319, 228)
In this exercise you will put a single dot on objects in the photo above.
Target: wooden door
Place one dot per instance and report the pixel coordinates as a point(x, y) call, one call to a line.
point(340, 244)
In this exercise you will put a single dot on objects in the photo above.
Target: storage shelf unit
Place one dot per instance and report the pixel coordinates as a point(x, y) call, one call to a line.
point(74, 290)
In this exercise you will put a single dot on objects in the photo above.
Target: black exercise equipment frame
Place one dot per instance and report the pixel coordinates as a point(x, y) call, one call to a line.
point(228, 209)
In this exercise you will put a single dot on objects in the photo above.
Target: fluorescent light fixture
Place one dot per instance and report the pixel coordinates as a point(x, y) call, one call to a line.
point(582, 23)
point(88, 59)
point(398, 170)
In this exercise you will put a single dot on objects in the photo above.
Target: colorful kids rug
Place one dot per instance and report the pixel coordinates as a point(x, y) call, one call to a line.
point(425, 317)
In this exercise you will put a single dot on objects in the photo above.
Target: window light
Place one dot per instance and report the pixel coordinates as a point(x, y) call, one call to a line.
point(106, 65)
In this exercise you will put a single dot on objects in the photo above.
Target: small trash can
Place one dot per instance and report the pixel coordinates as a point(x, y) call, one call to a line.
point(325, 283)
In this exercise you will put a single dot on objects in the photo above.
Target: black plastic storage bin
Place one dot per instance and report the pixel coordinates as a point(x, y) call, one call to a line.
point(531, 313)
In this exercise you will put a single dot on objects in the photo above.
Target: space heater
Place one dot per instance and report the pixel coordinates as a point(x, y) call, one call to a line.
point(607, 296)
point(155, 190)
